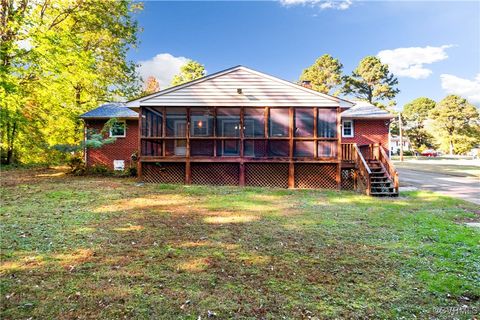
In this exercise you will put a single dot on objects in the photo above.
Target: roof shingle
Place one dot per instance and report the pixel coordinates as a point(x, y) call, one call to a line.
point(365, 110)
point(110, 110)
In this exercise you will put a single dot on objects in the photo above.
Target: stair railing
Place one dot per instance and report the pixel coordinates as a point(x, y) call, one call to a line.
point(364, 171)
point(389, 168)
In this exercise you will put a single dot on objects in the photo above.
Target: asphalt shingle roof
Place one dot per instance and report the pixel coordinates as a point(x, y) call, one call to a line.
point(110, 110)
point(365, 110)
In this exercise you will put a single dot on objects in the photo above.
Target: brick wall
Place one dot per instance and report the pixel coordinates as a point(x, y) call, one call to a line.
point(369, 132)
point(121, 149)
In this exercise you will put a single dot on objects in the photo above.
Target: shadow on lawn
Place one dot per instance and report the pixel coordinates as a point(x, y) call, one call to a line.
point(178, 251)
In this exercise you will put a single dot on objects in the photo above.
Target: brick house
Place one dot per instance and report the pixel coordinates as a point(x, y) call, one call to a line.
point(243, 127)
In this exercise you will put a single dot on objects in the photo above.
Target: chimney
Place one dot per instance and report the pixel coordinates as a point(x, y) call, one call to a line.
point(306, 84)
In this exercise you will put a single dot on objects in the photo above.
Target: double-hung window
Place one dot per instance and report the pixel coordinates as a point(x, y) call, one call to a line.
point(347, 128)
point(118, 130)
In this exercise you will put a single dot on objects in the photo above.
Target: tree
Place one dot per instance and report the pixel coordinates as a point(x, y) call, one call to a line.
point(414, 114)
point(59, 59)
point(151, 86)
point(371, 81)
point(457, 123)
point(324, 75)
point(190, 71)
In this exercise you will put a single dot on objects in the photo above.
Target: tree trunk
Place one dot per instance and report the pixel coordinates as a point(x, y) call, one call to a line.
point(10, 142)
point(451, 148)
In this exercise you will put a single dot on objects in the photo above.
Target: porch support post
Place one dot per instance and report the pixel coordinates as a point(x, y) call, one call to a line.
point(241, 178)
point(339, 149)
point(139, 158)
point(188, 175)
point(291, 165)
point(242, 174)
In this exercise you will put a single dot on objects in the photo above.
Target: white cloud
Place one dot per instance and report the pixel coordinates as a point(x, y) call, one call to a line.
point(409, 62)
point(469, 89)
point(163, 67)
point(322, 4)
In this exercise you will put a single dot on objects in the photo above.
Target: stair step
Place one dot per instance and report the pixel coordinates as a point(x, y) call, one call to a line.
point(384, 194)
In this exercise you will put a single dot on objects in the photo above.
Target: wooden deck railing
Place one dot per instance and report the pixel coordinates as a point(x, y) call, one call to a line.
point(389, 168)
point(348, 152)
point(364, 172)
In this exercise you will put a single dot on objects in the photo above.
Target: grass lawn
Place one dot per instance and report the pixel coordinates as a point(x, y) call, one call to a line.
point(89, 247)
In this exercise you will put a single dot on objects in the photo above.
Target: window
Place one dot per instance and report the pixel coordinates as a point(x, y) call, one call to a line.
point(347, 128)
point(304, 122)
point(279, 122)
point(201, 123)
point(118, 129)
point(327, 123)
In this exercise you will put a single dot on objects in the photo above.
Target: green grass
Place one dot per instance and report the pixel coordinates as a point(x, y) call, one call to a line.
point(77, 247)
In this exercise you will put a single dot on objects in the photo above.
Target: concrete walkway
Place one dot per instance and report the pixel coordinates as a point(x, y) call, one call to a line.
point(466, 188)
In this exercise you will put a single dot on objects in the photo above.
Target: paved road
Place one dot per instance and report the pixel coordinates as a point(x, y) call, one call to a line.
point(467, 188)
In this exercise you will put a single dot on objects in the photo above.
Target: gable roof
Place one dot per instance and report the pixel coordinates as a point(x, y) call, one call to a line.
point(257, 90)
point(366, 110)
point(110, 110)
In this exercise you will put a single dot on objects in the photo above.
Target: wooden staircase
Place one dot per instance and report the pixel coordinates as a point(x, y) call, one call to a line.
point(375, 173)
point(381, 185)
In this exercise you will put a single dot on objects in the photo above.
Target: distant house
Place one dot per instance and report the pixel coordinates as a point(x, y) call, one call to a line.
point(243, 127)
point(395, 145)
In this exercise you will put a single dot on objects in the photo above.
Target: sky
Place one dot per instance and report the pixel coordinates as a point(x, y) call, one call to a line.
point(432, 47)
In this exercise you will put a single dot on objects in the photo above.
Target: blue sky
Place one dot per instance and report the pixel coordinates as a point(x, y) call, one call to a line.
point(433, 47)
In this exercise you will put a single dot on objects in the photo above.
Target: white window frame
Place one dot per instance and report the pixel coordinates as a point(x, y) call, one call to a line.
point(124, 130)
point(343, 129)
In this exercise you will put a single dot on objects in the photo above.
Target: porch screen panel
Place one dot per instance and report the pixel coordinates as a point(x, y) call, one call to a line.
point(228, 122)
point(151, 148)
point(152, 121)
point(255, 148)
point(304, 122)
point(176, 122)
point(254, 122)
point(278, 148)
point(201, 122)
point(304, 149)
point(199, 148)
point(327, 123)
point(327, 149)
point(279, 122)
point(228, 148)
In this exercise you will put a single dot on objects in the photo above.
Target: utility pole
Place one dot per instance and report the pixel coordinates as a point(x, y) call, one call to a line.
point(401, 135)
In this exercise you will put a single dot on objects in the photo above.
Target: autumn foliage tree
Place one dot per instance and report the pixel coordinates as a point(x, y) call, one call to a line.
point(325, 75)
point(190, 71)
point(59, 59)
point(151, 85)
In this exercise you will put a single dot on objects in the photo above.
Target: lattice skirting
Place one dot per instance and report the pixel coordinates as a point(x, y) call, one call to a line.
point(163, 172)
point(273, 175)
point(348, 182)
point(315, 176)
point(215, 173)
